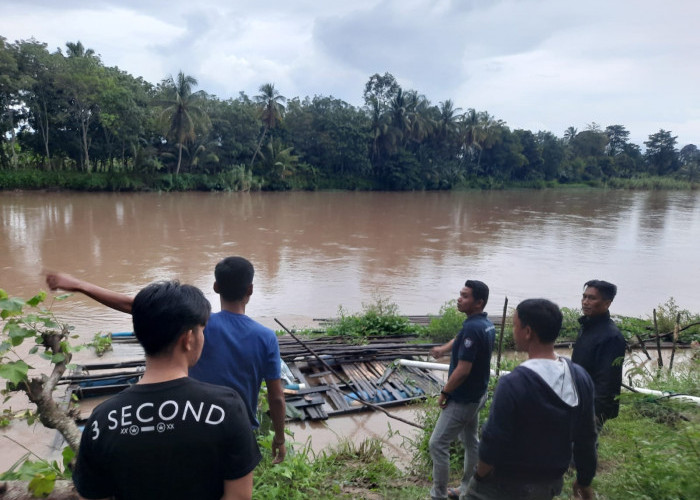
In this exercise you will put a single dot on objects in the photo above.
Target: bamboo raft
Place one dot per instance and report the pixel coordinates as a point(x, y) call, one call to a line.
point(318, 393)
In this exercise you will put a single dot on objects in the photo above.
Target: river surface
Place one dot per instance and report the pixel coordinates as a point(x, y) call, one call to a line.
point(316, 251)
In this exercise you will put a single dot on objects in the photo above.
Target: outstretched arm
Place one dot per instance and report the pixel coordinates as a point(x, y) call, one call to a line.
point(61, 281)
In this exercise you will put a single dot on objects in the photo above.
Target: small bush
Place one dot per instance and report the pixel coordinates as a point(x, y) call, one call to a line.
point(570, 326)
point(447, 325)
point(379, 318)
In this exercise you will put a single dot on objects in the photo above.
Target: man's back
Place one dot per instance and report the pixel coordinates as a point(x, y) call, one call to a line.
point(552, 418)
point(239, 353)
point(179, 439)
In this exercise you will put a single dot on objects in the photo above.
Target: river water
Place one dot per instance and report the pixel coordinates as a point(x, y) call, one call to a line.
point(316, 251)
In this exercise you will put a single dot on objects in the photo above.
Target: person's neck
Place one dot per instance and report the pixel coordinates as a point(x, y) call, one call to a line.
point(236, 306)
point(541, 351)
point(163, 369)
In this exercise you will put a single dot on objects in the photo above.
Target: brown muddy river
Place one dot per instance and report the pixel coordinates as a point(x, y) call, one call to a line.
point(316, 251)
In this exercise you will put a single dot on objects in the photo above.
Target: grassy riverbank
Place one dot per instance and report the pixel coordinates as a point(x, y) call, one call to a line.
point(238, 178)
point(651, 451)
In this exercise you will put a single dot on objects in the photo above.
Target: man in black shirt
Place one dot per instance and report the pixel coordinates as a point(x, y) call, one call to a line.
point(465, 390)
point(169, 436)
point(600, 348)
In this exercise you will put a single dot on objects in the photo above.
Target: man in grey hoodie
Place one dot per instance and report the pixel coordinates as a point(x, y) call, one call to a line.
point(541, 411)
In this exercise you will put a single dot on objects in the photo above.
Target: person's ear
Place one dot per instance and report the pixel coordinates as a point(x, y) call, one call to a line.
point(216, 287)
point(250, 290)
point(187, 340)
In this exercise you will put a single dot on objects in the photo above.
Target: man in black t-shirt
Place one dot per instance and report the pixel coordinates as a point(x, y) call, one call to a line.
point(465, 391)
point(169, 436)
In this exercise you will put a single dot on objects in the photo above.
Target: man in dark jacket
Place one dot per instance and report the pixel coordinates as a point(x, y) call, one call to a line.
point(541, 412)
point(600, 348)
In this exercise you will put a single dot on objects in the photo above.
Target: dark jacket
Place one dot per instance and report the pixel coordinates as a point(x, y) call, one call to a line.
point(531, 432)
point(598, 349)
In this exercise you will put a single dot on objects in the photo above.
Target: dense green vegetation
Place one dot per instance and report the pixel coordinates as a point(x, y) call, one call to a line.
point(67, 121)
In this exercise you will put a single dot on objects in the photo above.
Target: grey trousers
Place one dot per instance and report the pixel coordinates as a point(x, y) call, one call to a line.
point(461, 421)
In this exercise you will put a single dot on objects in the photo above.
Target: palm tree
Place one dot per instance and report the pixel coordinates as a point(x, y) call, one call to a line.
point(569, 134)
point(448, 118)
point(480, 130)
point(271, 110)
point(77, 49)
point(182, 114)
point(383, 135)
point(422, 123)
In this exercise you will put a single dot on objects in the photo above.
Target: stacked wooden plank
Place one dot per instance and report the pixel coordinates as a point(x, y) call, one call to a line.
point(359, 382)
point(323, 394)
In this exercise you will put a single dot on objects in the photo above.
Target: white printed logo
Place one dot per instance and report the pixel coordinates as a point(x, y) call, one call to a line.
point(467, 343)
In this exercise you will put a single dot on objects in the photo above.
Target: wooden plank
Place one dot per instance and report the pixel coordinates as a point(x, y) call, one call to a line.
point(372, 381)
point(358, 383)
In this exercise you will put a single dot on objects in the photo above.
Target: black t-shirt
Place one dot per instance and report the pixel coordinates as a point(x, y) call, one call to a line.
point(474, 343)
point(177, 440)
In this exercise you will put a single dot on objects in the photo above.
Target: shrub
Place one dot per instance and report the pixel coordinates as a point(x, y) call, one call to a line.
point(379, 318)
point(447, 324)
point(570, 326)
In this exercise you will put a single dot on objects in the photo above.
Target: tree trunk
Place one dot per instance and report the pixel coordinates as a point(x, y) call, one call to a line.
point(179, 158)
point(40, 392)
point(43, 120)
point(84, 127)
point(12, 138)
point(257, 150)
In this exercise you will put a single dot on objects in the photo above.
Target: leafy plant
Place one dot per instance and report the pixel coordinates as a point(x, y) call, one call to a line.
point(102, 343)
point(667, 314)
point(29, 321)
point(40, 474)
point(570, 325)
point(447, 324)
point(379, 318)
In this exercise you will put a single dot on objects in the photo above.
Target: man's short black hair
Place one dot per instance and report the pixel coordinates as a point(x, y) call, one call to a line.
point(233, 277)
point(163, 311)
point(542, 316)
point(479, 290)
point(607, 290)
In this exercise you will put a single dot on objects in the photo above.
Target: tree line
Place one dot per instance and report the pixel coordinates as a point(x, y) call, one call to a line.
point(66, 112)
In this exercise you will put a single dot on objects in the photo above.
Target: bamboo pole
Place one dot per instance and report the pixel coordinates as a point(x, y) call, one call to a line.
point(660, 361)
point(644, 348)
point(675, 340)
point(346, 382)
point(500, 338)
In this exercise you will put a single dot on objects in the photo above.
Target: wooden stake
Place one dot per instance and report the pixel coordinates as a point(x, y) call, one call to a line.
point(675, 340)
point(660, 361)
point(500, 338)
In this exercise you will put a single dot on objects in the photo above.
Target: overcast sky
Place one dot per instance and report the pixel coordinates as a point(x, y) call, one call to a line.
point(536, 64)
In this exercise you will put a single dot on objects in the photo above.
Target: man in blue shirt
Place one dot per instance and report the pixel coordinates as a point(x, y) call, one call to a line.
point(464, 393)
point(238, 352)
point(168, 436)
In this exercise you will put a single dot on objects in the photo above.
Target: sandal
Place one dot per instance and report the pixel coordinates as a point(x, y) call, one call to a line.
point(453, 493)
